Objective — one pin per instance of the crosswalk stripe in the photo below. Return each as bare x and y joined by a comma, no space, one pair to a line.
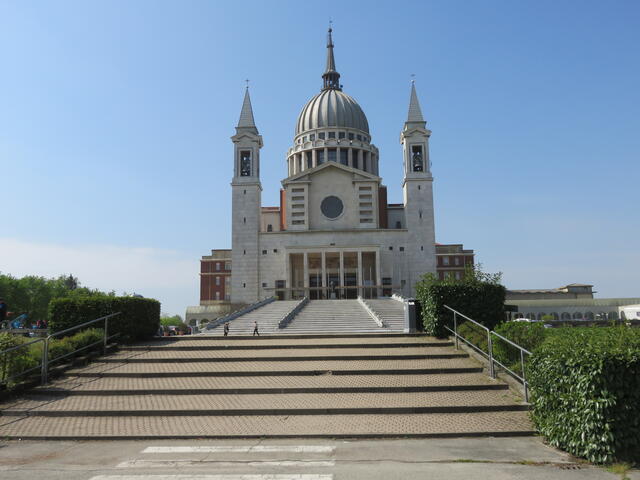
264,476
244,449
217,463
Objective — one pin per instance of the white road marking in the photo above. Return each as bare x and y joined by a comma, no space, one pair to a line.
244,449
217,463
265,476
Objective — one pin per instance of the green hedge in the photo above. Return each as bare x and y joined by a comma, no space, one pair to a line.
139,320
28,357
484,302
585,385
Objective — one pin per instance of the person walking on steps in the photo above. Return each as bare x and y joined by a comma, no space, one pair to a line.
226,329
255,328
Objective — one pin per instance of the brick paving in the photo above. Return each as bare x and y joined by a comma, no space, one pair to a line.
269,366
275,383
149,387
438,424
292,401
248,340
311,352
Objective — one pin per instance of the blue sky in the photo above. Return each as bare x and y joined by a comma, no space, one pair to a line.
115,118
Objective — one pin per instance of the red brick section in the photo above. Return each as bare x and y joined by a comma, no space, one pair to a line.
283,210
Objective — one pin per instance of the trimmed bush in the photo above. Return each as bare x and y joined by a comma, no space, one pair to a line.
482,301
585,385
139,320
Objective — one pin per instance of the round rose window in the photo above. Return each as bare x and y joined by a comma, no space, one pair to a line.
331,207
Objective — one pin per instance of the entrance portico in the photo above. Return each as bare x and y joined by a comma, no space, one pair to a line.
333,273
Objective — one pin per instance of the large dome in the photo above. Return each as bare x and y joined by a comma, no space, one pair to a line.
332,108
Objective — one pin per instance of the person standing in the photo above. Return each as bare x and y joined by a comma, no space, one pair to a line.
255,328
226,329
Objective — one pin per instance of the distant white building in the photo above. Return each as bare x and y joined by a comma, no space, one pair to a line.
333,234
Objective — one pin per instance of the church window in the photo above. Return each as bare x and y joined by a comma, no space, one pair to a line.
401,249
417,161
344,156
321,135
355,159
420,214
245,192
341,134
304,139
320,156
359,137
275,250
244,252
332,134
331,207
245,163
398,224
364,188
418,187
332,157
264,284
351,136
309,159
297,214
244,285
421,248
390,248
264,252
269,228
312,137
244,220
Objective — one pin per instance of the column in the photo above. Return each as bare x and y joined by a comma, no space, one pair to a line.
305,261
378,278
324,274
360,281
341,282
288,293
350,157
326,154
314,158
338,159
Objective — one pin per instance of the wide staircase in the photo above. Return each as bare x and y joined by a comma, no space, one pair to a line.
332,316
268,317
377,385
390,311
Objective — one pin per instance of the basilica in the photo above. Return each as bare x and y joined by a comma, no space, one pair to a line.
333,236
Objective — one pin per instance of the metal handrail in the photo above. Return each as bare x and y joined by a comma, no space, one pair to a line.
44,374
489,354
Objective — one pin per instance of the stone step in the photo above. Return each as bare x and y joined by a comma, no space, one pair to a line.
209,346
269,384
510,423
292,354
267,404
261,368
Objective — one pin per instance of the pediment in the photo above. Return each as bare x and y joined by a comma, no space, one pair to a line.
307,175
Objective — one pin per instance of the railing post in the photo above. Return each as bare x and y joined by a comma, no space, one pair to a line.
455,328
524,377
490,348
44,372
106,326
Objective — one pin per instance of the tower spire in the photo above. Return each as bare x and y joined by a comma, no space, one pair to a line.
246,114
330,77
415,112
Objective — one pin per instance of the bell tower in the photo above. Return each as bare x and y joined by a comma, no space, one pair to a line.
417,187
246,201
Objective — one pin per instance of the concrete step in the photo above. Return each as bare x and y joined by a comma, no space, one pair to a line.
267,404
288,354
511,423
390,311
268,317
270,384
253,346
333,316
